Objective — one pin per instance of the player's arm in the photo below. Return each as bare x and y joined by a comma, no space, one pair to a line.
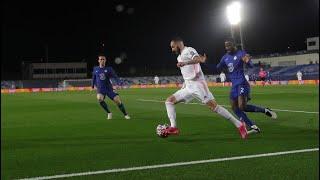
183,85
246,58
221,65
195,60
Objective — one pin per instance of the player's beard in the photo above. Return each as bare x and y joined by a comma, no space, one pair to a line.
231,50
178,51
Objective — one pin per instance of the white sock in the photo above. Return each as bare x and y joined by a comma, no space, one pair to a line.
171,111
226,114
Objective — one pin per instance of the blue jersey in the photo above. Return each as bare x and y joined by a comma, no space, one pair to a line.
234,63
101,78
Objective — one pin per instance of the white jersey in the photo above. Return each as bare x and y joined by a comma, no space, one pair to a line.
191,71
195,85
156,80
223,77
247,77
299,75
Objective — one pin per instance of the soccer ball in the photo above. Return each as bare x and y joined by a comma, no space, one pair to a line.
161,130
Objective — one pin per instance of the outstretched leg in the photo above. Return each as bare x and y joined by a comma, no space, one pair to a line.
266,111
212,104
239,110
241,114
117,100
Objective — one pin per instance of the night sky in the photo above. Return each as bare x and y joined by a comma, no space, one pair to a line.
75,30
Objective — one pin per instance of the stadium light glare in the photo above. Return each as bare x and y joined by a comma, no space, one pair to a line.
233,13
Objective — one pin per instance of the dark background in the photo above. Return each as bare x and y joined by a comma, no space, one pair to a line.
75,31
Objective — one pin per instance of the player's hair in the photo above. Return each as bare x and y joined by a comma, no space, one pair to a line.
101,54
230,39
177,39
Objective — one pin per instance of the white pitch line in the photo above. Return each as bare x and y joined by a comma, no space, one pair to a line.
284,110
172,164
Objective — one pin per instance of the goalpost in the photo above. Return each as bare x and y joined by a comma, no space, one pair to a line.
79,83
76,83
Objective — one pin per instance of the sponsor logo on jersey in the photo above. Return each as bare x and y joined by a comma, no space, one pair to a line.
230,67
102,76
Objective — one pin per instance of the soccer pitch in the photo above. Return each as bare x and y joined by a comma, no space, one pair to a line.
46,134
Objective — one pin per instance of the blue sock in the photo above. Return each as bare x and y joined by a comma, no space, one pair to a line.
104,106
244,117
253,108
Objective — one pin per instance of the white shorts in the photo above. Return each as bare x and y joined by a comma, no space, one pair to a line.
194,89
223,80
299,78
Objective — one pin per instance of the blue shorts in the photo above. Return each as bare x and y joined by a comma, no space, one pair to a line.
110,93
240,90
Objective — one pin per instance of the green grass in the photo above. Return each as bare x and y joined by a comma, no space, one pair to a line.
67,132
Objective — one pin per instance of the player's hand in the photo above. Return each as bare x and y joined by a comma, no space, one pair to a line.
183,85
203,58
181,64
246,58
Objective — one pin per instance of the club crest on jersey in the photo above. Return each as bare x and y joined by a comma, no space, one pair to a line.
105,71
235,58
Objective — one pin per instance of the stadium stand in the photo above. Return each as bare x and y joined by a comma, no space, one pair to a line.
310,72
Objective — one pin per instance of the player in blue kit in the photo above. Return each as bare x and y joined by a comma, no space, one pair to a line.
234,60
101,80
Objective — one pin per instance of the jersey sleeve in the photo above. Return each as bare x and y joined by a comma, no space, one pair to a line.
193,52
93,83
221,64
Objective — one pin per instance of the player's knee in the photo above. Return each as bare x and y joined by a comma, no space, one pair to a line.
117,100
100,98
234,108
212,105
170,100
242,107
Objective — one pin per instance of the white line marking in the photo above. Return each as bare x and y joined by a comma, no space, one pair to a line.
265,93
171,164
284,110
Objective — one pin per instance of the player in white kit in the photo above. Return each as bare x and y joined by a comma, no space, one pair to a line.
299,76
247,77
156,80
195,86
222,77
